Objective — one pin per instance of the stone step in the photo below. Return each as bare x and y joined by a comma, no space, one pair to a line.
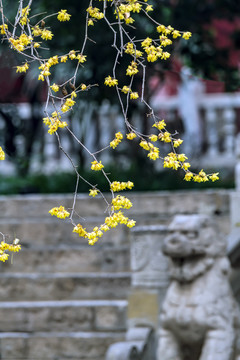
144,204
57,345
69,315
63,286
53,231
69,259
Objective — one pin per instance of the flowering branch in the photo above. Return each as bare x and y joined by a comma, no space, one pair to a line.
28,39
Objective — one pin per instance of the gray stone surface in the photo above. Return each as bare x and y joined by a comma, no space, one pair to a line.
56,345
56,265
200,316
70,315
148,264
60,286
69,259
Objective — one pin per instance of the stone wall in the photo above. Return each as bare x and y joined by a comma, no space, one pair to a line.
69,300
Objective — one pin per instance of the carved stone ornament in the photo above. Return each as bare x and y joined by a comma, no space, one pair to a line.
199,317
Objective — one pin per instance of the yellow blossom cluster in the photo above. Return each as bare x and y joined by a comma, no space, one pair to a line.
68,103
131,136
63,15
24,15
121,202
119,186
153,150
20,43
133,94
2,154
59,212
54,123
95,13
109,81
123,11
111,221
22,68
201,176
131,50
3,29
15,247
97,166
118,138
132,69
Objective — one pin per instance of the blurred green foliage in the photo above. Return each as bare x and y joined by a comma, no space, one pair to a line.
144,180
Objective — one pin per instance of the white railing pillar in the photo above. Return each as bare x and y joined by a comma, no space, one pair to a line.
229,130
212,131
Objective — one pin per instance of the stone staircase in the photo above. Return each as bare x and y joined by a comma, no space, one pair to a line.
61,299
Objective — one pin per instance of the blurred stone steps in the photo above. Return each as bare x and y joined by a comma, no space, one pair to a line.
61,299
69,259
63,286
56,345
69,315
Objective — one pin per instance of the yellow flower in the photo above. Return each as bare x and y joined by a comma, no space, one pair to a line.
96,165
119,186
69,102
90,22
46,34
121,202
37,31
114,143
72,54
182,157
177,142
3,28
125,89
81,58
166,137
132,69
186,35
214,177
175,34
63,15
73,94
64,58
2,154
161,28
109,81
165,55
83,87
188,176
41,77
131,223
59,212
149,8
186,165
153,138
144,145
54,87
93,192
160,125
131,136
80,230
22,68
4,257
134,95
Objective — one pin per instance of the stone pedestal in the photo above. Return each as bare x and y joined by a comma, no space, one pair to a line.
149,276
233,242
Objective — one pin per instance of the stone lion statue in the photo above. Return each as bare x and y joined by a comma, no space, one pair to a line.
199,317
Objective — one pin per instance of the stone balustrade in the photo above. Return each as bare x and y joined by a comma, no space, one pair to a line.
211,142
